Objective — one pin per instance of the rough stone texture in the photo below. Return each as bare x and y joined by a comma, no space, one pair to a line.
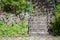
10,19
43,6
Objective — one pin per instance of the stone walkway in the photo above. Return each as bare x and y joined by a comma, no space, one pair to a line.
31,38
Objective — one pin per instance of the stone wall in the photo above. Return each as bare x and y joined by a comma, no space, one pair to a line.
10,19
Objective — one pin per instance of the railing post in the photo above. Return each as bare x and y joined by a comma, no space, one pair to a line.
29,15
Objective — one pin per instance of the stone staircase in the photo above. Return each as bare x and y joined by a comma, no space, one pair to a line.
42,6
38,24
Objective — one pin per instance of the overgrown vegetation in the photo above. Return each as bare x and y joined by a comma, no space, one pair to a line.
56,23
16,6
20,29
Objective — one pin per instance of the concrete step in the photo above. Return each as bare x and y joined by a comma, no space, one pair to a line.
38,27
38,30
38,33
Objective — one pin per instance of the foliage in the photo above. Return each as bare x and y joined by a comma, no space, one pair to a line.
20,29
16,6
56,23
